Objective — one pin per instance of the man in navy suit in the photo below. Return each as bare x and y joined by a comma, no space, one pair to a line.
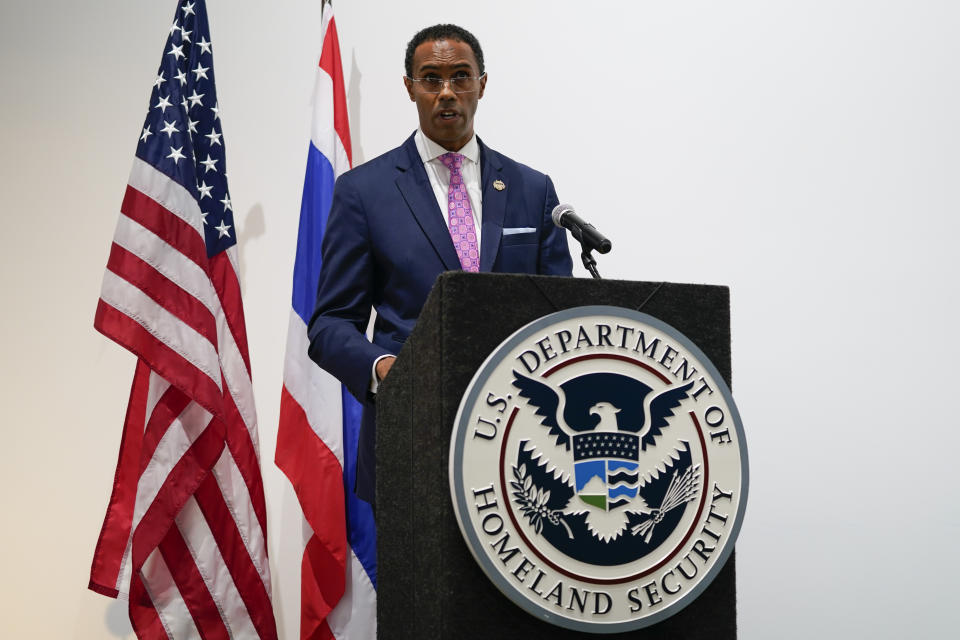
441,201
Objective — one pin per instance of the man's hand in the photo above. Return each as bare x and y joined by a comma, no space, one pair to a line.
383,367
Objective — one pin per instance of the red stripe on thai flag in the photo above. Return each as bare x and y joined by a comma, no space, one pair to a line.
314,472
330,63
317,562
317,479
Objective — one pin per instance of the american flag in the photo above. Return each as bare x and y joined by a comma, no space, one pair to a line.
319,419
185,534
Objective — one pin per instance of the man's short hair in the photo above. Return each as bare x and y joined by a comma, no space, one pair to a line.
442,32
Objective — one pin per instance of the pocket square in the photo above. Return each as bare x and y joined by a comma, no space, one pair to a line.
509,231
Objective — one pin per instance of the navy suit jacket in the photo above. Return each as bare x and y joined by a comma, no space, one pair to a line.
386,242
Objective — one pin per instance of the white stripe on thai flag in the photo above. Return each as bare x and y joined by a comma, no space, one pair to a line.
319,420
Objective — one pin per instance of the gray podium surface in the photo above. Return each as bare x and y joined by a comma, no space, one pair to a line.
429,586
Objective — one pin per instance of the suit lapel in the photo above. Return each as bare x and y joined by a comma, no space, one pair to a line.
494,205
415,187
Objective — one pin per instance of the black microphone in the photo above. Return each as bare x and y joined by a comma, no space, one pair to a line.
565,217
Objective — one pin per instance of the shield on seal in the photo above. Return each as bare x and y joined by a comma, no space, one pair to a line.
605,468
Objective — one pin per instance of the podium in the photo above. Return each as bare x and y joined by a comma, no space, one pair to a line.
429,585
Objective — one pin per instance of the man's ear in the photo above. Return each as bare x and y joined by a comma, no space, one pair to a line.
408,83
483,85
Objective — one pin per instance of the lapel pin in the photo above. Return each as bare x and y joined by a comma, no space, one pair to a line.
499,185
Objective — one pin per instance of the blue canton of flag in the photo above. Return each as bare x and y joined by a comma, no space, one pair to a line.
182,136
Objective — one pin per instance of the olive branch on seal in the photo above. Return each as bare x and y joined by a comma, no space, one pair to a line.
533,501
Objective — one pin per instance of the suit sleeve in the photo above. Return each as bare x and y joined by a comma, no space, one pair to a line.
554,258
345,295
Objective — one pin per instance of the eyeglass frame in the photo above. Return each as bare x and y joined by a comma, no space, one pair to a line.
447,81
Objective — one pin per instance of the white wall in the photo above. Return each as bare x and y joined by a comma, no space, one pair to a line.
804,153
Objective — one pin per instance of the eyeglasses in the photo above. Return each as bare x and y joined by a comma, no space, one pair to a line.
458,84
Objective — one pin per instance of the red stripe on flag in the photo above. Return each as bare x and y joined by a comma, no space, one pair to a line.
115,532
236,557
165,224
177,487
330,62
176,369
245,455
194,592
168,408
144,619
317,479
163,291
315,605
227,285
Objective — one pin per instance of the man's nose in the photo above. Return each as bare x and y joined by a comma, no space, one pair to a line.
446,91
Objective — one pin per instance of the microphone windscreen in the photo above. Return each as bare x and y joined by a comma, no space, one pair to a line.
559,211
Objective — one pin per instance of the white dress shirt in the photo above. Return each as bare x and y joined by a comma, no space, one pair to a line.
439,175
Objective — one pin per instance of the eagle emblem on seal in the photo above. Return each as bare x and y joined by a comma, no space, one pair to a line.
615,484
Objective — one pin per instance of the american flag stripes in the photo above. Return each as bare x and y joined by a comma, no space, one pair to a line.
320,420
185,534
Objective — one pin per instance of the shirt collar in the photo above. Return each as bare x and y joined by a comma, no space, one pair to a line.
430,150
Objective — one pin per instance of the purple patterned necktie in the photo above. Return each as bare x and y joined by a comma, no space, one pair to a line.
460,213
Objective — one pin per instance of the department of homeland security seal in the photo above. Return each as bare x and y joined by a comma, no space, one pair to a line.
598,469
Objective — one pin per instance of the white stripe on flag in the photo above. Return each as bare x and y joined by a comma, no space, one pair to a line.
354,616
171,195
163,325
167,260
190,277
212,567
166,598
315,390
183,431
157,387
237,497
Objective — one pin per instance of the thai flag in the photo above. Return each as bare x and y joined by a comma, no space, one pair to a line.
319,419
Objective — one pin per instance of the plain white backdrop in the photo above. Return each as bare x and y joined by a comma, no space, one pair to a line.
806,154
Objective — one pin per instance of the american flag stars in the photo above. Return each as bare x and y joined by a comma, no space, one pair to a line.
162,103
170,128
179,137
